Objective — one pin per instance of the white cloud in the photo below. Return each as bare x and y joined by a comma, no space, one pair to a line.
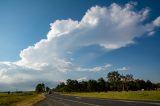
93,69
61,27
110,28
107,65
14,77
156,22
122,69
82,79
151,33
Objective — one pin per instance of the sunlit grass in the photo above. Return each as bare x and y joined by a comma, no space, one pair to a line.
19,99
131,95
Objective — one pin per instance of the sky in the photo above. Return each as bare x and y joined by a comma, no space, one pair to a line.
53,40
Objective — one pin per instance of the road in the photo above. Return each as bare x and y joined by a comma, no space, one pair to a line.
61,100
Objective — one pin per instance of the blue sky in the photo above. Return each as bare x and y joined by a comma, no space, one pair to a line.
85,42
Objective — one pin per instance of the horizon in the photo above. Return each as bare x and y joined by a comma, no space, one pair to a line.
52,41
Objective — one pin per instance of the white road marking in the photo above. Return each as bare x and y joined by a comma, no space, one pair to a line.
78,97
128,101
77,101
141,102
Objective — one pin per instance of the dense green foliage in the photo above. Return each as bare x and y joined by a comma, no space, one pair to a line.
114,82
40,88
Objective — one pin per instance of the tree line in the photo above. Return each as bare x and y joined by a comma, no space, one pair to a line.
114,82
42,88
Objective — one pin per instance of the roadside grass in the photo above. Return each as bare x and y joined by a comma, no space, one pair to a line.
131,95
20,99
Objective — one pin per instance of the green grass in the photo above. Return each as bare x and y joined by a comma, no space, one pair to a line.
19,99
131,95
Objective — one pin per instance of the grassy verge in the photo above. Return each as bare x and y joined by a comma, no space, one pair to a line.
131,95
20,99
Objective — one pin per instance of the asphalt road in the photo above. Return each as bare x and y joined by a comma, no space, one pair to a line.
61,100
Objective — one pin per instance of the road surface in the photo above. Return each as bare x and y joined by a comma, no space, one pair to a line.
61,100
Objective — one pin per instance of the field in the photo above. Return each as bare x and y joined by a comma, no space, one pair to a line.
131,95
19,99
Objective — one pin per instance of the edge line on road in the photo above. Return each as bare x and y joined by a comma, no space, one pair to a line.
130,101
76,101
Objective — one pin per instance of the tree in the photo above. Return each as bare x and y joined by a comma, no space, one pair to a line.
129,77
62,85
114,77
92,85
72,85
125,80
140,84
83,86
40,88
101,83
116,82
47,89
8,92
149,85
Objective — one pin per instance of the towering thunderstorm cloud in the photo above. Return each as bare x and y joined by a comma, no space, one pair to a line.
109,28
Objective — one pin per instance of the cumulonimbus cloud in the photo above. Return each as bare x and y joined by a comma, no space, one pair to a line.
110,28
